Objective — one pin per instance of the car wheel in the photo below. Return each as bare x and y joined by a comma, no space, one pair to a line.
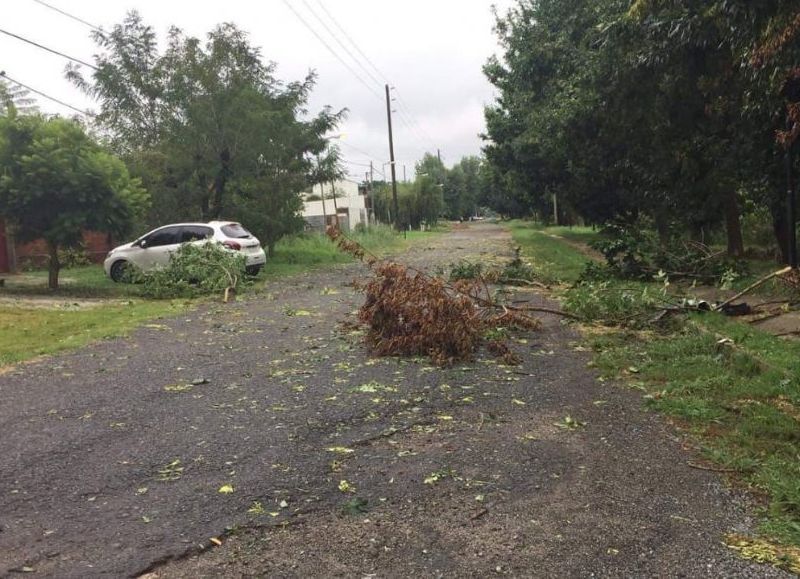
252,270
119,271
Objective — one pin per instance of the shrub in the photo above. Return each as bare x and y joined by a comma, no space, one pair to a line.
192,271
612,305
517,271
465,270
74,256
634,253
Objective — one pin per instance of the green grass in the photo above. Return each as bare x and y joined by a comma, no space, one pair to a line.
584,235
88,281
27,333
303,252
553,257
741,402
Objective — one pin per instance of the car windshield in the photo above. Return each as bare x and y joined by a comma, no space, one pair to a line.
236,231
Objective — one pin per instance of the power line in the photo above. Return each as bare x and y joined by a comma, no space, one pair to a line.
68,15
405,115
357,163
352,42
340,43
363,152
45,95
330,49
401,101
37,45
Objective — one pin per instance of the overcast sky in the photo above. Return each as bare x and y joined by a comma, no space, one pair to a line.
432,51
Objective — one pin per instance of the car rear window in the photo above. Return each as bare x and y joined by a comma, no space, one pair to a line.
236,231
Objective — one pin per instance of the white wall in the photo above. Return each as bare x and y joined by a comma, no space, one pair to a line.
346,197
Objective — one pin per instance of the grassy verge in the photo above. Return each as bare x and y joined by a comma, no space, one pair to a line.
27,333
549,252
736,389
304,252
741,399
52,326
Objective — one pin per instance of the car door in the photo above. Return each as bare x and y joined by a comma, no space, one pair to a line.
158,246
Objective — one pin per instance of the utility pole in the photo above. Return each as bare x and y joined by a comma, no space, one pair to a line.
404,174
391,160
439,155
791,206
555,209
371,210
366,194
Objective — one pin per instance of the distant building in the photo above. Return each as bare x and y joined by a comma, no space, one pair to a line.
351,206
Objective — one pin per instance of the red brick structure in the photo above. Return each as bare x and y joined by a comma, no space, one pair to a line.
16,255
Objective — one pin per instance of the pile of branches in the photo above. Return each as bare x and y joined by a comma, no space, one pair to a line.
516,272
193,270
410,313
632,253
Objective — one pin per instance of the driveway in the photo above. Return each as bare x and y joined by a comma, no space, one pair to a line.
265,427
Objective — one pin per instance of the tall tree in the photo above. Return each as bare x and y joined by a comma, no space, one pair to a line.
57,182
206,122
658,109
16,97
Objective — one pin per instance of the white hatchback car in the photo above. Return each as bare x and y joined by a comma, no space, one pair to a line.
153,250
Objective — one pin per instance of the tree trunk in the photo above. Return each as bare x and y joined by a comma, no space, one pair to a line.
733,225
662,227
271,249
335,206
779,222
324,211
54,266
219,184
696,232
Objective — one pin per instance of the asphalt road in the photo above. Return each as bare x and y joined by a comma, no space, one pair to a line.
112,458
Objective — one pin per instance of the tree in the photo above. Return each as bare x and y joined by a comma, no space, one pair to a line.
57,182
462,187
16,97
658,110
327,169
207,125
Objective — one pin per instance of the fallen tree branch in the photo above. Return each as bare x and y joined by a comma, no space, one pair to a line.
512,280
753,286
546,311
711,468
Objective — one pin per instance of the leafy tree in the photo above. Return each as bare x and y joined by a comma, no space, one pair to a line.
327,169
419,202
657,109
14,96
207,125
462,188
56,182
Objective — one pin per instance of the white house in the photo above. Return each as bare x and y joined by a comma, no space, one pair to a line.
350,206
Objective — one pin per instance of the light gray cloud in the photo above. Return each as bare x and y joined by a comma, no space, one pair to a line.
431,51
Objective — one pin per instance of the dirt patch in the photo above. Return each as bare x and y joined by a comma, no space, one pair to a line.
46,303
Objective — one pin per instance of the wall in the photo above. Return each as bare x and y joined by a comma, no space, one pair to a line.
34,254
351,205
